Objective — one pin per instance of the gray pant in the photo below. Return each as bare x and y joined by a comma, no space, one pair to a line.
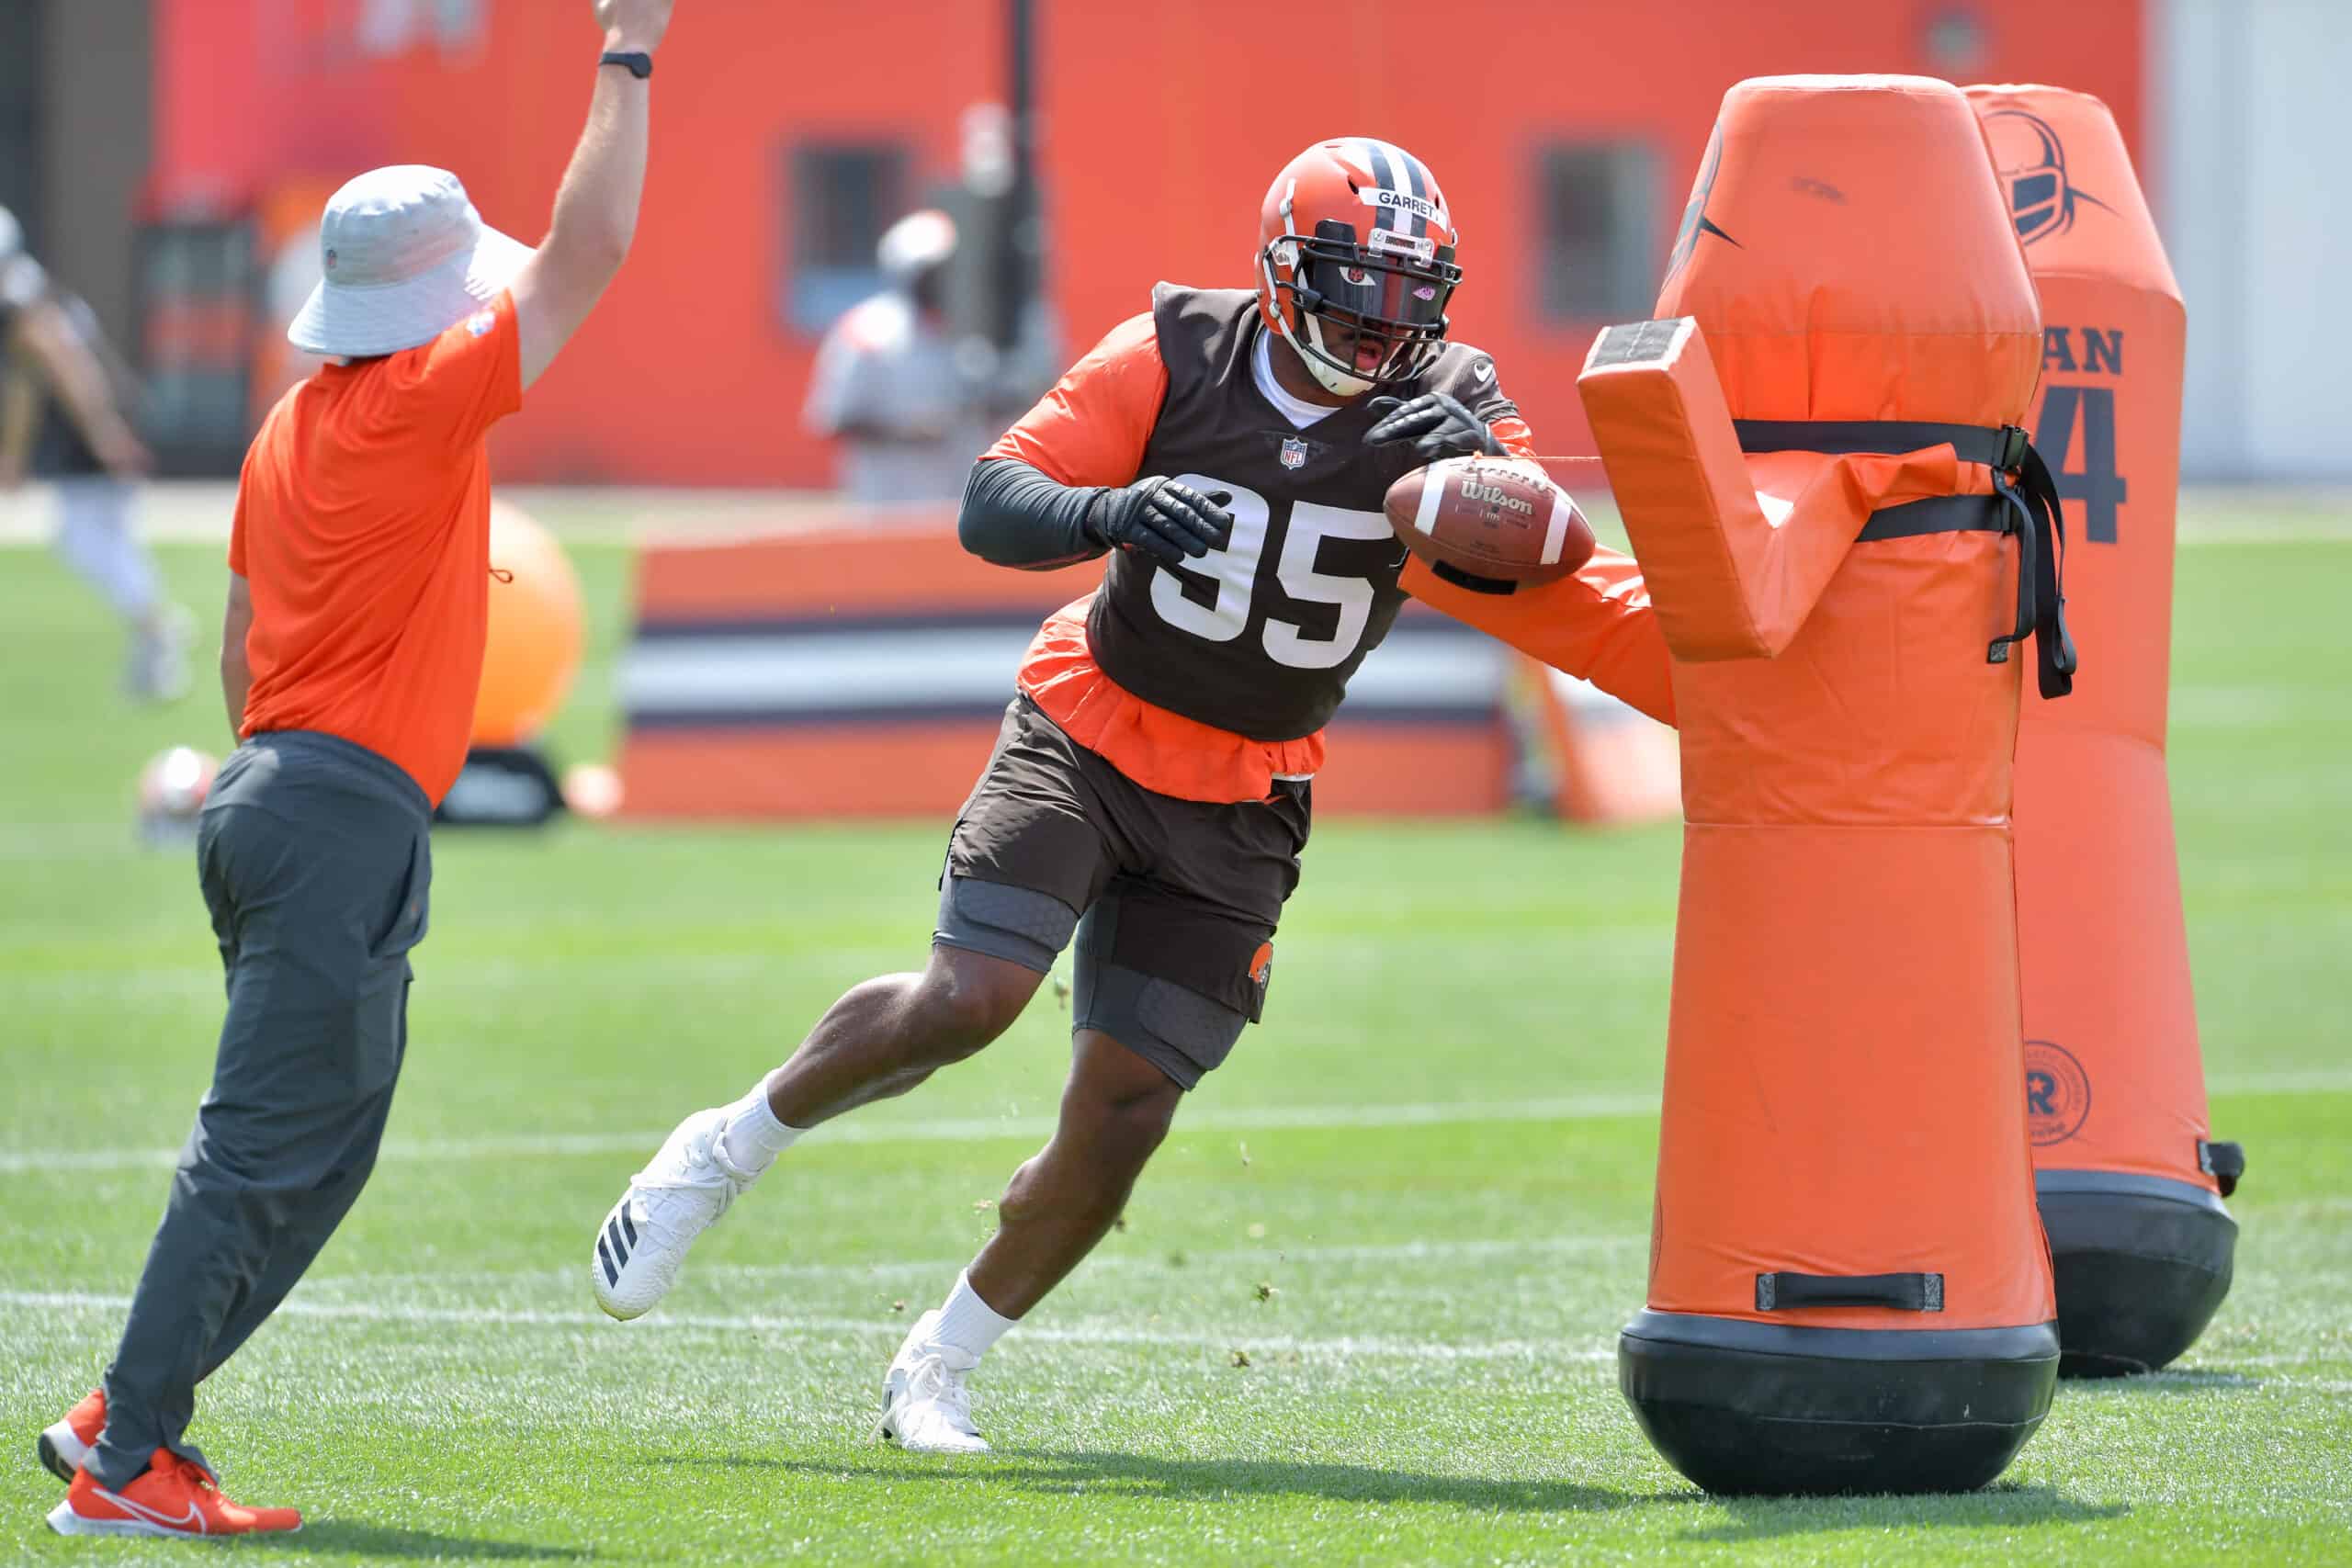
316,867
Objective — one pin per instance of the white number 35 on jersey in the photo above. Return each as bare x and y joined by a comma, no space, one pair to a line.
1234,570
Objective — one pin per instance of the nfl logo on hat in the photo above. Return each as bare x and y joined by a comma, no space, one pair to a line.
1293,454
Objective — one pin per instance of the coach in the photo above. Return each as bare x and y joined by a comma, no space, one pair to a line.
350,657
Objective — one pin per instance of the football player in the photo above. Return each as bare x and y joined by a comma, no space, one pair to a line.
53,352
1150,788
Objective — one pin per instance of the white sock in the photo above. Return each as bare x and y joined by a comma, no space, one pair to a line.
967,1324
752,1136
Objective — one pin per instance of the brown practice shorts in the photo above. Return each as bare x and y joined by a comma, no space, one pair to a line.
1174,902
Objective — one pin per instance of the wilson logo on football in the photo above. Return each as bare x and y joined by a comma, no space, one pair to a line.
1495,495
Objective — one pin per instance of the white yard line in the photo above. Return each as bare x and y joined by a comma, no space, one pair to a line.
1265,1119
19,1162
1160,1261
1343,1348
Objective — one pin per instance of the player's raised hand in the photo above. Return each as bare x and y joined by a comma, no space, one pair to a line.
1436,426
633,25
1166,521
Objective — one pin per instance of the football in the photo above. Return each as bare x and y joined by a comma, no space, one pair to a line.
1499,518
172,790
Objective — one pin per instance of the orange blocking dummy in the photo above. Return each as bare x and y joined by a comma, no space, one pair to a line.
1850,554
2130,1182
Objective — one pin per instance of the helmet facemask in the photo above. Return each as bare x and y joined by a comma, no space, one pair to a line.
1390,294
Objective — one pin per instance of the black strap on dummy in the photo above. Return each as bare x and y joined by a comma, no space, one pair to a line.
2032,496
2024,502
1783,1292
1843,438
2223,1162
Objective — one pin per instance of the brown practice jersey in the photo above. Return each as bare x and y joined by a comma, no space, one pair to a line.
1258,638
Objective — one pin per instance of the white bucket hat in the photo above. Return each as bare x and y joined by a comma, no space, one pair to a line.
405,257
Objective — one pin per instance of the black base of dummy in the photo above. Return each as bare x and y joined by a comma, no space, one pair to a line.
2141,1263
1760,1408
503,786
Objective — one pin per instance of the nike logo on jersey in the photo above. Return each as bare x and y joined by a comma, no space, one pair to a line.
1483,372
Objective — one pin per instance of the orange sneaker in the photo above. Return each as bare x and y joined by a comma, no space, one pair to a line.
64,1446
175,1497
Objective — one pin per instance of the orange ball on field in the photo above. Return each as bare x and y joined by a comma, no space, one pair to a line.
535,630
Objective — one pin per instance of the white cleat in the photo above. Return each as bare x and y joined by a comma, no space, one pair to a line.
156,670
684,1188
924,1403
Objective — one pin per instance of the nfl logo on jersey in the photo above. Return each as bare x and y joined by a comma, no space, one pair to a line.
1293,454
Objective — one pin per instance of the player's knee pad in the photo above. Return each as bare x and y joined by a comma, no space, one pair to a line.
1020,925
1173,1027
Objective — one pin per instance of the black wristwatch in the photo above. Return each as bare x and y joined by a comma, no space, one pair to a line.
641,64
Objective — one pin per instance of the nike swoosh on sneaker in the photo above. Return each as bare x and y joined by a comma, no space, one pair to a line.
154,1516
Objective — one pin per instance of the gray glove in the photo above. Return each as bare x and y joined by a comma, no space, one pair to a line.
1169,521
1436,426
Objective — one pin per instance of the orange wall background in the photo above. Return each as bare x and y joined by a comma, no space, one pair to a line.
1161,125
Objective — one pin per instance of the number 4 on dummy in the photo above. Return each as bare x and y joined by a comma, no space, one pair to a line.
2098,486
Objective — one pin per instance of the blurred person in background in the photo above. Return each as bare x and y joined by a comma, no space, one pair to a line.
65,413
894,383
351,655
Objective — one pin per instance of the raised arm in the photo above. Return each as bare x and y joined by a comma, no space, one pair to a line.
77,377
596,209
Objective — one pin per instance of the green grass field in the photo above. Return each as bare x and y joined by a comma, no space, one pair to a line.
1437,1153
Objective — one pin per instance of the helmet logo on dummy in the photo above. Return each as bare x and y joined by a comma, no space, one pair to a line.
2057,1093
2033,164
1695,221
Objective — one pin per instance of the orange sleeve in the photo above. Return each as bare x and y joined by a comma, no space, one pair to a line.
470,377
1091,429
244,476
1511,431
1597,624
237,535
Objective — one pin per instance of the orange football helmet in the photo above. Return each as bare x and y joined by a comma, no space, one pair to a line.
1355,263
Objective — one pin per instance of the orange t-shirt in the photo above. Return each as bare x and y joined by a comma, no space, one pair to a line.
363,533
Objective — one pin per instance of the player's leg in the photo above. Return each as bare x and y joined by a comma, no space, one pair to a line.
97,537
1115,1109
1025,856
889,1034
1170,969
